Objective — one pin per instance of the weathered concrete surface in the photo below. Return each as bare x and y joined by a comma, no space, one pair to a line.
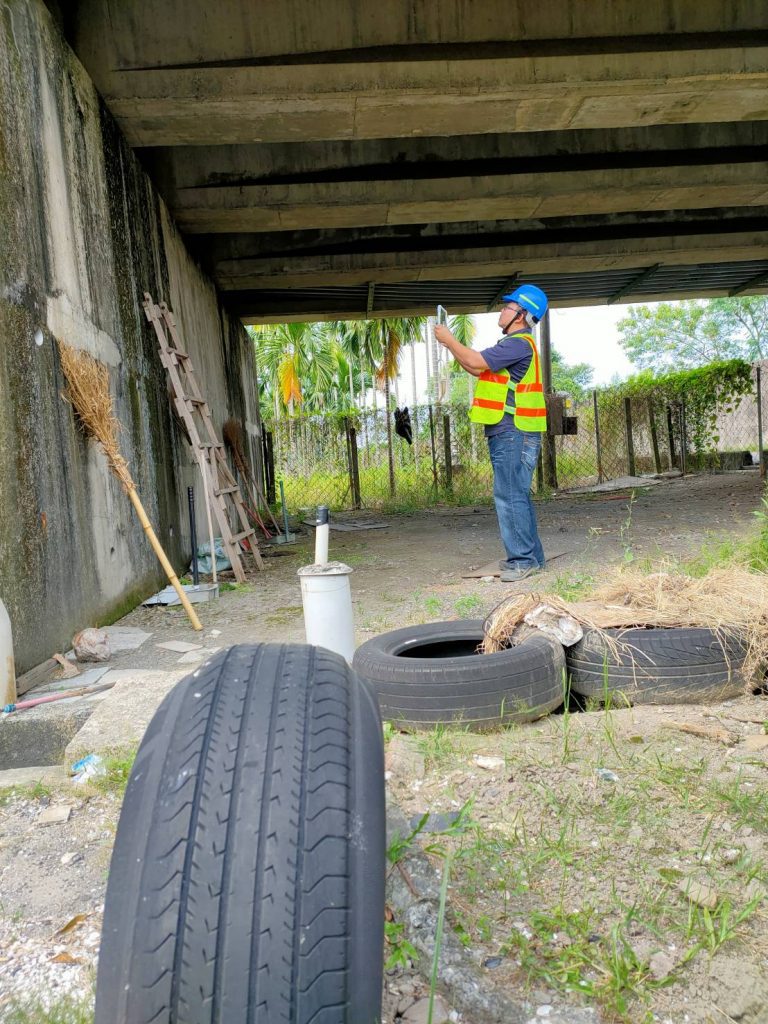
447,146
50,774
121,718
84,236
39,736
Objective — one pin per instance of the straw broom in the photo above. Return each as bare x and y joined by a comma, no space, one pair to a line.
88,393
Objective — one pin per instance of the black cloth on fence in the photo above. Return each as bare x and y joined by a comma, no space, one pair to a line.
403,424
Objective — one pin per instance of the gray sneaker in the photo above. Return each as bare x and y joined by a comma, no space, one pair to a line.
515,575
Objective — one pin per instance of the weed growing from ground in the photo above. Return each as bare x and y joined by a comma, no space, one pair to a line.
73,1010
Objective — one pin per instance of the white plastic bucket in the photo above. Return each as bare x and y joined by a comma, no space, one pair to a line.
327,599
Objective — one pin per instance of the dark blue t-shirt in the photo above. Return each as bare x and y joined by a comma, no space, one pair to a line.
513,353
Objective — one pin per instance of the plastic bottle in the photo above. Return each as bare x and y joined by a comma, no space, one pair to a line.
7,663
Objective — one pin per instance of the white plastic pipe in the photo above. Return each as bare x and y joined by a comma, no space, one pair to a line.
7,662
327,599
321,536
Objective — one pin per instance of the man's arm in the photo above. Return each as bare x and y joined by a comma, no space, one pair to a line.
467,358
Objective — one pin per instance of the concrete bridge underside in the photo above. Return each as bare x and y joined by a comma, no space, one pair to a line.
346,158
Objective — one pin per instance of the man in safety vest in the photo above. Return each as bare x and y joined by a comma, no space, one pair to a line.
509,401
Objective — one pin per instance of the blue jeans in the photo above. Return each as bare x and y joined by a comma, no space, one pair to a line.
514,454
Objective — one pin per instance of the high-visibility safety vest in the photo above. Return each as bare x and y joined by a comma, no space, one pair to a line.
492,394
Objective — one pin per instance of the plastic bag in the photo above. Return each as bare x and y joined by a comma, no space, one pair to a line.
90,767
204,557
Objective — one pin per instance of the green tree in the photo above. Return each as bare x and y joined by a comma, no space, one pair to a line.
574,379
679,335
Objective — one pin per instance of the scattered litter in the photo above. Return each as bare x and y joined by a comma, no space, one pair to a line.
731,856
493,961
487,579
555,623
90,767
724,736
179,646
55,815
204,561
72,923
490,763
67,668
91,645
195,595
435,822
214,632
606,775
71,858
65,958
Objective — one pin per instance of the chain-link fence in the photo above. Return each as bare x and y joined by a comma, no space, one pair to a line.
361,462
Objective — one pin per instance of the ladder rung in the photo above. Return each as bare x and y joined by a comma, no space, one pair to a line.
193,401
178,354
241,536
210,444
225,490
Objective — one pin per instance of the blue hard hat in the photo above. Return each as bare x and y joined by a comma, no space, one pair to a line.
531,298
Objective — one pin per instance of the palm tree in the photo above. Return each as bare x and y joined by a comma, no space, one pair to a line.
394,334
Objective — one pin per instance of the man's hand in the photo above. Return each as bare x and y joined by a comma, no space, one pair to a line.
443,335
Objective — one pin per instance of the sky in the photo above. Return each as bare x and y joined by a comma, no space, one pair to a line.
586,334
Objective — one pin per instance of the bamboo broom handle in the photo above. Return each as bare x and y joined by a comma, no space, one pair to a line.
136,502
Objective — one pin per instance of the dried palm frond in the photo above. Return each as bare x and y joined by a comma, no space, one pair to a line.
731,600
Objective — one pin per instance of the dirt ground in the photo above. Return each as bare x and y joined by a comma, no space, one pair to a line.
557,866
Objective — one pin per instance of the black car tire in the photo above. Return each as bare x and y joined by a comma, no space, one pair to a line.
431,674
247,879
657,666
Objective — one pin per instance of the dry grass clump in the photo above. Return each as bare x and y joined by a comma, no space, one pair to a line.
731,600
88,393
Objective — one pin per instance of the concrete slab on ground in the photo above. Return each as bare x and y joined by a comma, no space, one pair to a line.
121,719
48,774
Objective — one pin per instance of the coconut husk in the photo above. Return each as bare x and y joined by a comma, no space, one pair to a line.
731,600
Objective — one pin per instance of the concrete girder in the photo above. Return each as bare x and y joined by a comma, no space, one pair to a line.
179,167
446,264
134,34
401,99
498,197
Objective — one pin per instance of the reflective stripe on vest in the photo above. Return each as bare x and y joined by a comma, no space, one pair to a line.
492,395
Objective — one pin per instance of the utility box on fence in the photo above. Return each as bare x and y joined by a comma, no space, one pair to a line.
558,422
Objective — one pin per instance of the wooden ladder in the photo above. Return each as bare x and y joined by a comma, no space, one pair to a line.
221,487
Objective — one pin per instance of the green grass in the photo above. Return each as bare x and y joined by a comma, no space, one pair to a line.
468,606
34,791
118,768
67,1010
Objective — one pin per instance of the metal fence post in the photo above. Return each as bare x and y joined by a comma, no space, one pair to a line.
447,451
683,441
629,438
671,435
598,448
550,452
759,396
654,436
352,463
434,452
269,466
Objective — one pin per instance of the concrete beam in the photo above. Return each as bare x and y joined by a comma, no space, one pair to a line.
388,99
501,260
419,201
